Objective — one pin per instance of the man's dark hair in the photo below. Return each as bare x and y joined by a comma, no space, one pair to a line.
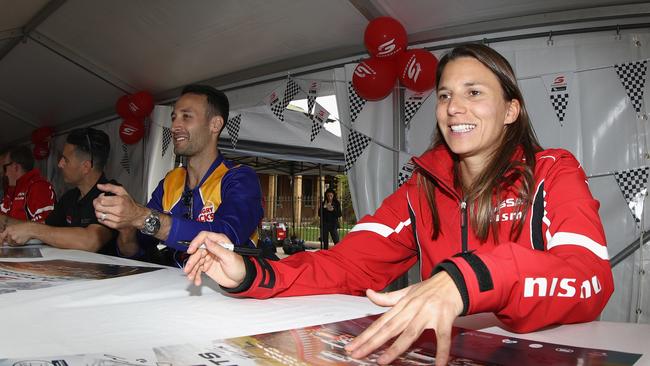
22,155
92,142
217,100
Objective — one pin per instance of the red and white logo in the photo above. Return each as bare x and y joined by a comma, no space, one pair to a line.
362,70
207,213
129,130
413,69
387,48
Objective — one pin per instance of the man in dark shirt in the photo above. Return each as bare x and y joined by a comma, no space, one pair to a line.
73,223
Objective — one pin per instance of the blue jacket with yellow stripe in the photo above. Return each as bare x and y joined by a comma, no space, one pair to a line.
227,200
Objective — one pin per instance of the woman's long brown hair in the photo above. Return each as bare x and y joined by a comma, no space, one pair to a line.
502,171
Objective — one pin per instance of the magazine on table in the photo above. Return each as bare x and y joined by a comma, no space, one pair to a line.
323,345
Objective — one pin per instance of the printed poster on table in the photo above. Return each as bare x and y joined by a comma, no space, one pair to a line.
16,276
323,345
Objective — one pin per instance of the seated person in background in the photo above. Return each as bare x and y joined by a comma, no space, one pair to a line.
29,196
72,224
209,193
494,220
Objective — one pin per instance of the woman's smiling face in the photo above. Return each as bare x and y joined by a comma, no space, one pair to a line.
471,110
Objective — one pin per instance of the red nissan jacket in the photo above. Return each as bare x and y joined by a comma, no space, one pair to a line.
556,272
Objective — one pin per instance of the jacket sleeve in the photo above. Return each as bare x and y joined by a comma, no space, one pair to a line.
375,252
238,215
40,201
569,280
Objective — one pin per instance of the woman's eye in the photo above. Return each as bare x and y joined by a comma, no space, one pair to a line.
474,93
443,96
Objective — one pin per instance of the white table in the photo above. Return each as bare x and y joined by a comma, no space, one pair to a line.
162,308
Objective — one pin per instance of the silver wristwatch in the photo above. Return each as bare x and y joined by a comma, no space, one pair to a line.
151,223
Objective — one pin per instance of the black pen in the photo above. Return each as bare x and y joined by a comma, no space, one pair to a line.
252,252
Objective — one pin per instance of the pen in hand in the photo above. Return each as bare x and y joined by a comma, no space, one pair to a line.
253,252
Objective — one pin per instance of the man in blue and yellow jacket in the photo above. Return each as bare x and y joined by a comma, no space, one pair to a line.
208,193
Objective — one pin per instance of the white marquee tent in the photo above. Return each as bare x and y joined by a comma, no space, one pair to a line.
65,63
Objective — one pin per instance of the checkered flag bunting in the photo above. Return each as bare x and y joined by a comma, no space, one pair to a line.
357,143
275,103
632,76
125,163
233,129
559,102
405,173
634,186
289,93
356,102
316,127
311,99
412,103
166,139
319,118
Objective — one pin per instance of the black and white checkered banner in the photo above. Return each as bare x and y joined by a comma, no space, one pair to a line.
233,129
412,102
559,103
634,186
355,101
357,143
124,162
166,139
406,172
632,76
312,93
318,119
557,87
290,92
274,101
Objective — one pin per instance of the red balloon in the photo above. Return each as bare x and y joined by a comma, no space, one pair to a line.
374,78
41,151
385,37
122,107
417,69
131,130
42,135
141,104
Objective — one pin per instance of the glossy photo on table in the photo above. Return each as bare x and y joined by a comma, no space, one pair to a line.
324,345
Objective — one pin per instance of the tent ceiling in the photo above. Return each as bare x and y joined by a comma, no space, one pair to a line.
65,62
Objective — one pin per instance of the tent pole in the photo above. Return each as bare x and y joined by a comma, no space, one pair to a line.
321,199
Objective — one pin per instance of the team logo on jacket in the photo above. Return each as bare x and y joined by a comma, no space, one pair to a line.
561,287
207,213
508,210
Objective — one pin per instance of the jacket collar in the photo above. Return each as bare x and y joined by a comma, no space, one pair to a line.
26,178
439,164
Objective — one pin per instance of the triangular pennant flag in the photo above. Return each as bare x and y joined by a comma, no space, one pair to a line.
290,92
126,164
166,139
412,103
634,186
274,102
632,76
318,119
405,173
357,143
233,129
311,95
559,103
558,89
356,102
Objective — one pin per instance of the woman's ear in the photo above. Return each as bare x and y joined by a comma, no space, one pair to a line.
513,112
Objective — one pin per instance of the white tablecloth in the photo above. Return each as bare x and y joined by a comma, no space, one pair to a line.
162,308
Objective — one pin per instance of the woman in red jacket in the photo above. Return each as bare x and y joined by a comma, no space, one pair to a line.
498,224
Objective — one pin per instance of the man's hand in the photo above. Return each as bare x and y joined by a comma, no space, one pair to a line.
223,266
118,210
431,304
19,234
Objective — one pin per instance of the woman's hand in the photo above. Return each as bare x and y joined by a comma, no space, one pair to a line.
431,304
223,266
